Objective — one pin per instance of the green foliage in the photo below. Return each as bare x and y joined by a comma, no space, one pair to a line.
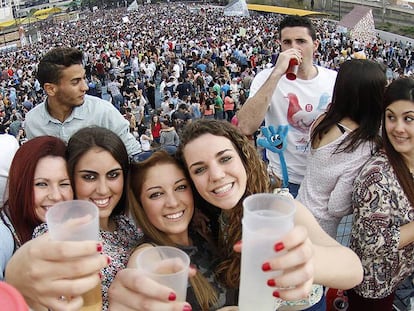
408,31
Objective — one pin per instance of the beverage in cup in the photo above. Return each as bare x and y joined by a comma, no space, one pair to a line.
267,217
77,220
166,265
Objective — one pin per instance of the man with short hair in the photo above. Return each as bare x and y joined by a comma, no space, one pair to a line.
67,108
296,103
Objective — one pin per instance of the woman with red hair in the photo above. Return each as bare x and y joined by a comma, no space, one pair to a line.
38,179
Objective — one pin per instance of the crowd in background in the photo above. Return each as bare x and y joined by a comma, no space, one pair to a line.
153,60
164,66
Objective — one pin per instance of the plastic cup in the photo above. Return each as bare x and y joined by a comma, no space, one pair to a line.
166,265
267,217
74,220
292,70
77,220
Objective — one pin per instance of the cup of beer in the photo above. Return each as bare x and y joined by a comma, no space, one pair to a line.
77,220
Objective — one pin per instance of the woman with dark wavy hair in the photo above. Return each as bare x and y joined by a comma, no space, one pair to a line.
225,168
383,204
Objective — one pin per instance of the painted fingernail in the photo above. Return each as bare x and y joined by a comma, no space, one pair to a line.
271,282
187,308
266,266
108,259
99,248
172,297
276,294
279,246
193,266
100,275
238,243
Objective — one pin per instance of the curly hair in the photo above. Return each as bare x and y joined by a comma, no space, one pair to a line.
228,271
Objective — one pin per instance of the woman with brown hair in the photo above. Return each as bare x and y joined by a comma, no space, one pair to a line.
161,200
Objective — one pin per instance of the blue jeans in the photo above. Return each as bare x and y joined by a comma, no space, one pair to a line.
320,306
293,189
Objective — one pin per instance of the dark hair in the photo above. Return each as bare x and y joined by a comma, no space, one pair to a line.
55,61
400,89
86,139
228,271
298,21
20,204
358,95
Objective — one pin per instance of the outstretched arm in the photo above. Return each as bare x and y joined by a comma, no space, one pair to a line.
44,270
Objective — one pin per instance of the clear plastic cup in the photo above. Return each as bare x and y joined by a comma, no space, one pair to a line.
77,220
166,265
267,217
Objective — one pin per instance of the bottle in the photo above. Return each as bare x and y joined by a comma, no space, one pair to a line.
292,70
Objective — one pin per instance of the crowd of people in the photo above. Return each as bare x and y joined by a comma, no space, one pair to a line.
150,115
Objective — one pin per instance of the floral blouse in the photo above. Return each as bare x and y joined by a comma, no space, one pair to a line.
118,245
380,209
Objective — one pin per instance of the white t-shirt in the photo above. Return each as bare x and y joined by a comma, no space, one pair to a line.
297,104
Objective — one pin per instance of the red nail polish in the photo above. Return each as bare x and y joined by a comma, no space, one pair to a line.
238,243
276,294
108,259
266,267
279,246
99,248
100,275
193,266
172,297
271,282
187,308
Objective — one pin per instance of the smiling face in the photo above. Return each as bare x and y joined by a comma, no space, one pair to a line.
216,169
51,184
167,200
99,178
399,125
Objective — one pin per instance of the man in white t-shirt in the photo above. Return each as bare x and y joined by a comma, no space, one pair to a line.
279,101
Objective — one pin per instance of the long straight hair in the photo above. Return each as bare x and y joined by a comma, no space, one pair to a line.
357,95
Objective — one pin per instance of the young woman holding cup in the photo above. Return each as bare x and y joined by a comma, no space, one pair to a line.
98,167
161,200
38,179
225,169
